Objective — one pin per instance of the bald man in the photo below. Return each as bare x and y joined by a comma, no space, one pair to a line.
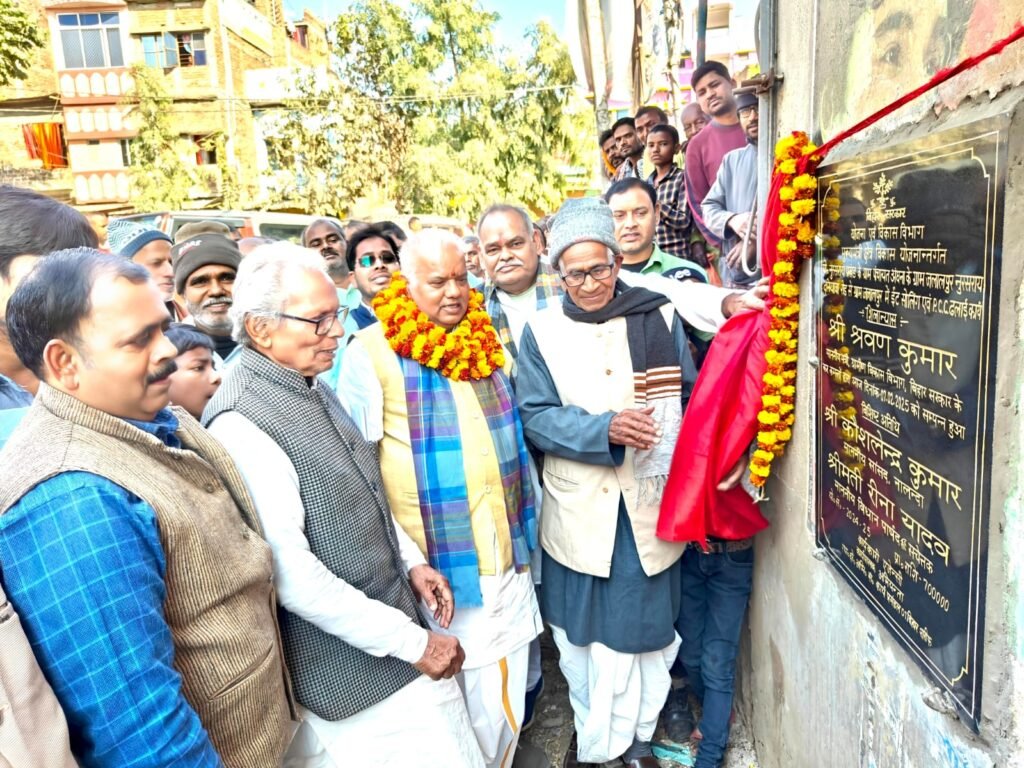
475,491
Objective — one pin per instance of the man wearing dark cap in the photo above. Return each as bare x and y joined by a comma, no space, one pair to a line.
206,227
151,249
729,206
204,275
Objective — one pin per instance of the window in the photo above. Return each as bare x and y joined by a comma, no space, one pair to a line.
160,50
90,40
126,152
191,49
185,49
301,35
206,149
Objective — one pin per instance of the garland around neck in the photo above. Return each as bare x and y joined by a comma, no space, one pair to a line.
470,350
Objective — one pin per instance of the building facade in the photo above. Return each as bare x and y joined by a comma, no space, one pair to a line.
77,112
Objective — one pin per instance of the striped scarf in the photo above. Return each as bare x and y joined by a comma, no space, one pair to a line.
441,478
549,286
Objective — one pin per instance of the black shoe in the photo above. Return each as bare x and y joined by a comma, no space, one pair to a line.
677,716
530,708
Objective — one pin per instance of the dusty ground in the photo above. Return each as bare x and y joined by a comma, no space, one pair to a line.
552,727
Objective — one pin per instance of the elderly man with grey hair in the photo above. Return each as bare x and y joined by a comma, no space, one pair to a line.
604,376
434,395
375,684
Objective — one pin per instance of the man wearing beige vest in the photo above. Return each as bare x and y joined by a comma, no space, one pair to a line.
427,383
129,544
604,376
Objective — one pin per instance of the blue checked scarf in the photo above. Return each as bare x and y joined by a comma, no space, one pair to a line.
549,286
441,478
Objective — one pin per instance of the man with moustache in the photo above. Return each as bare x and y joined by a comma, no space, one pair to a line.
327,237
729,205
130,547
646,118
704,152
610,152
204,275
348,578
630,149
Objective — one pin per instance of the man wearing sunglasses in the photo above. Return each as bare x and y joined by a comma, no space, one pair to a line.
372,256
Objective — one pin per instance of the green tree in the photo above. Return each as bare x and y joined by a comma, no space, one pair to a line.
482,126
19,37
333,146
161,179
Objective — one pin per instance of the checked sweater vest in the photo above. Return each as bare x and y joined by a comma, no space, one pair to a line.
220,596
348,525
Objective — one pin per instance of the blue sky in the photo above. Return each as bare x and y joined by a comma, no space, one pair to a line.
516,15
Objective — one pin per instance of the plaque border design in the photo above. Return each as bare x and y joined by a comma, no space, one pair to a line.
992,131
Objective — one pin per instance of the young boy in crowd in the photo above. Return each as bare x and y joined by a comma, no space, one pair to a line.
673,229
196,379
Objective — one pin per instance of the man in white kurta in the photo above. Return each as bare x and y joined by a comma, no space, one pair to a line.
347,577
496,634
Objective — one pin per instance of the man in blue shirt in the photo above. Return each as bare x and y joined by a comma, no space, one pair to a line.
129,546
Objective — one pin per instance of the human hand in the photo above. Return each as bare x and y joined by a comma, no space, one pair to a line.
752,299
442,658
739,224
732,479
634,428
433,589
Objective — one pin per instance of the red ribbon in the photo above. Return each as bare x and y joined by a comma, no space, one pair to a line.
721,417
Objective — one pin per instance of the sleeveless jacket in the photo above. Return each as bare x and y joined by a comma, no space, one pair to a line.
348,525
220,598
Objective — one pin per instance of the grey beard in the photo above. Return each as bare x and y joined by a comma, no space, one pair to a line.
337,270
220,326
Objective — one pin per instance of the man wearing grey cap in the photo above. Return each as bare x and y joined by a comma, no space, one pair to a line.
611,587
204,275
149,248
729,208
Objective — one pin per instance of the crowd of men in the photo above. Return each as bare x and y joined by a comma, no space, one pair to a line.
266,504
705,209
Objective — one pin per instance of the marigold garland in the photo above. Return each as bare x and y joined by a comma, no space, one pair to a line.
470,350
796,235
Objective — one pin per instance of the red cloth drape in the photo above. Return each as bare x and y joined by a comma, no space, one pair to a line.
43,141
721,417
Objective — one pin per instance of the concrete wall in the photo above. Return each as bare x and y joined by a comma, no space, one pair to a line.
822,682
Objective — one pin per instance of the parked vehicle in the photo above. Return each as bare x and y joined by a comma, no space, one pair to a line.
280,226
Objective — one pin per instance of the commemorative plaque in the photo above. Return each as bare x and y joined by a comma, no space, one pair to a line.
906,298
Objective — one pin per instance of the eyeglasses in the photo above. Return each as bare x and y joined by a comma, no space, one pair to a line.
323,324
578,277
368,260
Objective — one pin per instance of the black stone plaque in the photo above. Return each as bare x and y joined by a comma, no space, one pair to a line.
906,297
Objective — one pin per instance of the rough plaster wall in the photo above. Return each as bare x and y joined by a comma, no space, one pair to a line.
823,683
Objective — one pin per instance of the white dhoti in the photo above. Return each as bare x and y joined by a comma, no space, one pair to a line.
423,725
496,638
615,696
495,697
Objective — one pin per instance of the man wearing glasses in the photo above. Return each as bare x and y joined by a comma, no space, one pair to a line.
372,256
360,655
611,587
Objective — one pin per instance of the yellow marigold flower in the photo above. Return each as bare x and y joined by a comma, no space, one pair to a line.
768,418
772,380
787,167
763,455
806,232
784,435
809,147
768,438
787,193
802,207
787,219
805,181
770,400
833,215
787,391
786,290
782,267
786,246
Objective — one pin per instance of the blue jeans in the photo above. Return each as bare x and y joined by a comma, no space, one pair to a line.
716,589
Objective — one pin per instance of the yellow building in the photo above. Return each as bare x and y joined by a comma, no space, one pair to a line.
70,112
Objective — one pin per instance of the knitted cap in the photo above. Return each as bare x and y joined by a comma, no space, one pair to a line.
200,251
581,220
193,228
126,238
